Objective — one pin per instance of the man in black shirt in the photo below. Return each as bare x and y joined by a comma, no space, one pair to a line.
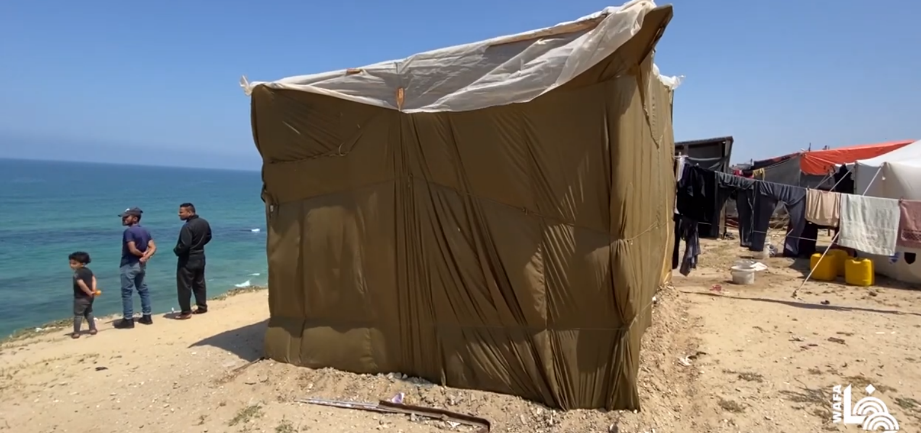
190,269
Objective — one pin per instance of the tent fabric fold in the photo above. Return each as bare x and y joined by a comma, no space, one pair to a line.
511,248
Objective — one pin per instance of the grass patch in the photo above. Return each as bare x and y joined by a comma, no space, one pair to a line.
909,404
747,376
285,426
238,291
731,406
807,395
47,328
860,382
751,377
246,415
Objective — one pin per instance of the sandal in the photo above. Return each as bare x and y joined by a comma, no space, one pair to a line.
93,332
75,335
199,311
184,317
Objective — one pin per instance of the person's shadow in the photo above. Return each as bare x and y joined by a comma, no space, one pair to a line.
245,342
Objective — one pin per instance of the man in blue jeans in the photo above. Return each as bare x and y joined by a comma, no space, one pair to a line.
137,248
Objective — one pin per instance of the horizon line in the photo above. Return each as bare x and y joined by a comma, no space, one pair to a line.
4,158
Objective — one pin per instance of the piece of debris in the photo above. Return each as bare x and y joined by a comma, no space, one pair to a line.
414,412
825,302
696,355
836,340
685,361
101,368
798,339
716,288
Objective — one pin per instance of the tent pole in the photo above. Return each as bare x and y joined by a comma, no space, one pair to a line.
805,280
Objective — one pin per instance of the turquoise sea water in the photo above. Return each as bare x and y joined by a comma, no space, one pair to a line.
50,209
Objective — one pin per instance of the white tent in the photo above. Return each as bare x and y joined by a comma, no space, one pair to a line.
895,175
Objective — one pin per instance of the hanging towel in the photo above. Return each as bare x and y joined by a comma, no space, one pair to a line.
909,224
822,207
869,224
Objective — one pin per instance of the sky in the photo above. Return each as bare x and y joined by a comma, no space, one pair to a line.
157,82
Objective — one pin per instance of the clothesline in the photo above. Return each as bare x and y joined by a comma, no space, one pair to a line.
872,225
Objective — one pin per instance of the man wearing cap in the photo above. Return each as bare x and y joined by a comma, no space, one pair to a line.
137,248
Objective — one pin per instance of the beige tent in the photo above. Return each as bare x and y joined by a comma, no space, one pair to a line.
490,216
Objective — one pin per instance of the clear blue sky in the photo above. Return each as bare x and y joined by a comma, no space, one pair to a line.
156,82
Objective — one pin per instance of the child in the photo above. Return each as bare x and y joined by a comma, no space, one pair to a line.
84,292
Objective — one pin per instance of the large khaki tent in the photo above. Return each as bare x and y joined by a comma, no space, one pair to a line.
491,216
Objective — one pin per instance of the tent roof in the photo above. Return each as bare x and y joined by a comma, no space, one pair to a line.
499,71
763,163
823,161
909,154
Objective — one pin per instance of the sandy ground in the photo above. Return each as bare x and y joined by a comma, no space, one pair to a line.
745,359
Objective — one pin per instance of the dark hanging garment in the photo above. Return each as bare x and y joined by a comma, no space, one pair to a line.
697,193
794,199
685,228
807,245
741,190
844,181
698,199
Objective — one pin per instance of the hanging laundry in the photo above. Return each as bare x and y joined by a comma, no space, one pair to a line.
869,224
909,224
742,191
822,207
680,163
697,194
696,202
698,199
685,228
767,196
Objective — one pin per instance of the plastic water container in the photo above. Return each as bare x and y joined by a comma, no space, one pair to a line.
742,275
839,257
858,272
823,268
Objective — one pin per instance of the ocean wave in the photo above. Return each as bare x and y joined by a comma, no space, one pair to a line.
255,230
22,180
246,283
255,274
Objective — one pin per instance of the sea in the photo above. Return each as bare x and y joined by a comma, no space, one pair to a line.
51,209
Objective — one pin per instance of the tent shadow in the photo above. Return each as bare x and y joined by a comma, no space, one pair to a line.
806,305
245,342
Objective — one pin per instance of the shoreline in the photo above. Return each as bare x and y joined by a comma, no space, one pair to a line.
56,325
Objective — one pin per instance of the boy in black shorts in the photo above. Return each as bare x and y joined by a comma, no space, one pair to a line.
84,292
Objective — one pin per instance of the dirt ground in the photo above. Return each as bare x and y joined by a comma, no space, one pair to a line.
742,359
